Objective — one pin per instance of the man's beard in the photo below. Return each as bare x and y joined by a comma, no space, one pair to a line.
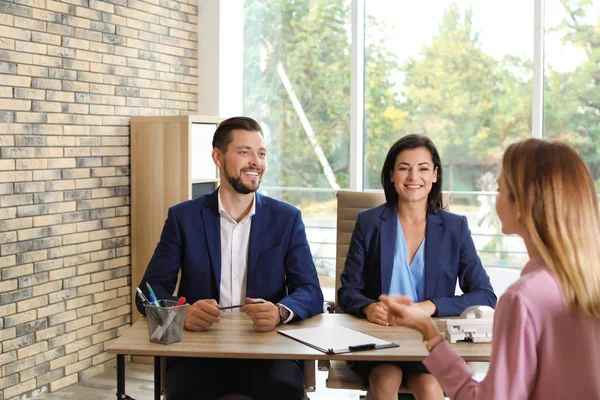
237,184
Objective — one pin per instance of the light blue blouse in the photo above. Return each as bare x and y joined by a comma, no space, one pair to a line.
408,279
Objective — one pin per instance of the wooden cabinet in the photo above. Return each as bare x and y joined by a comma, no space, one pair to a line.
170,163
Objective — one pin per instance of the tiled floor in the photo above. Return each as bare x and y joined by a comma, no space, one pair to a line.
140,385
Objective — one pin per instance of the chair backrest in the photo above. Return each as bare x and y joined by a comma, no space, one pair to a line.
349,203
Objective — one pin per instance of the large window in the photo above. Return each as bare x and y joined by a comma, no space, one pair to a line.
459,76
297,83
455,74
463,72
572,77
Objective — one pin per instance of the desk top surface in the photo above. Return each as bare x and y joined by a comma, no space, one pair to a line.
234,337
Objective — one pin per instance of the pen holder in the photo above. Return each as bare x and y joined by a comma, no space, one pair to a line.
165,324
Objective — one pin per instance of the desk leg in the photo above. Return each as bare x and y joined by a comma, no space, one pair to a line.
310,377
121,378
157,381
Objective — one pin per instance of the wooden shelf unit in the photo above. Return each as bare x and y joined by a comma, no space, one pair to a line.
161,176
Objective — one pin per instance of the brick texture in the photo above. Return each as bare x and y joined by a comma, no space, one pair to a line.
72,73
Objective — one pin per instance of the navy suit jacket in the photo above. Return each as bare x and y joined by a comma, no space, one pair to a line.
280,265
449,253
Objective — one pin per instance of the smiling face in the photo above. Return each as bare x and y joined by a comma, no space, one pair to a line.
244,162
413,175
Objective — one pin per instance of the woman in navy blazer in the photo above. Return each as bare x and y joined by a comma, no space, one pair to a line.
410,246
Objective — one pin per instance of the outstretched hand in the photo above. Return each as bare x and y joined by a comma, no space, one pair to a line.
402,312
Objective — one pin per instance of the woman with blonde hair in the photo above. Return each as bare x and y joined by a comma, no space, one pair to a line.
546,340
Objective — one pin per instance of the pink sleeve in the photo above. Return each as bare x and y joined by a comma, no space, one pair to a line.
512,370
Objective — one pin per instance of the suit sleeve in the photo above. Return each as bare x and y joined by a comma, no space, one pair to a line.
513,363
305,297
164,265
353,278
472,278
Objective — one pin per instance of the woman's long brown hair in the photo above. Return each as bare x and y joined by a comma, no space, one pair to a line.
555,196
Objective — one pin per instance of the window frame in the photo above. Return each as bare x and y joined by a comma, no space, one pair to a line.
220,59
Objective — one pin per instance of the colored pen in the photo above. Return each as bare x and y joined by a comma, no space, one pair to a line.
239,305
180,302
141,296
152,295
146,302
160,331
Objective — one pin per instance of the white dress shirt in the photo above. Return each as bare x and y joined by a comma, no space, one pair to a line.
235,240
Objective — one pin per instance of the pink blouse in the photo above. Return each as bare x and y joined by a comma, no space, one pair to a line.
540,349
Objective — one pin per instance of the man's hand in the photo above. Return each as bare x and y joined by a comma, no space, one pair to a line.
265,316
201,315
377,313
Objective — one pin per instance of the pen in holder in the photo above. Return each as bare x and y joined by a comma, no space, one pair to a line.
165,324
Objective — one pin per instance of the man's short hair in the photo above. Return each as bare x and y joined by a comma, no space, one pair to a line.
222,136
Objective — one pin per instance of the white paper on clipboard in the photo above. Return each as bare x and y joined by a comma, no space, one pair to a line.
336,339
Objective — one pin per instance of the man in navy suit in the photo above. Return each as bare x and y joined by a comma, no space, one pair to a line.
235,246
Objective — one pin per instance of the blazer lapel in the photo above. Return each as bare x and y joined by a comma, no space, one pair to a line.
387,238
212,232
433,240
257,233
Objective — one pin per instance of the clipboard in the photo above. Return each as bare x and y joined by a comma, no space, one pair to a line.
336,339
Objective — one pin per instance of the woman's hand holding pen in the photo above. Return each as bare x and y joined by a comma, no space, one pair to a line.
201,315
265,315
377,313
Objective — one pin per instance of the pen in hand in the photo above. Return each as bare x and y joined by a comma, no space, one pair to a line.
239,305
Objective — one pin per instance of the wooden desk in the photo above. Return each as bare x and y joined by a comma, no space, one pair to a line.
234,337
